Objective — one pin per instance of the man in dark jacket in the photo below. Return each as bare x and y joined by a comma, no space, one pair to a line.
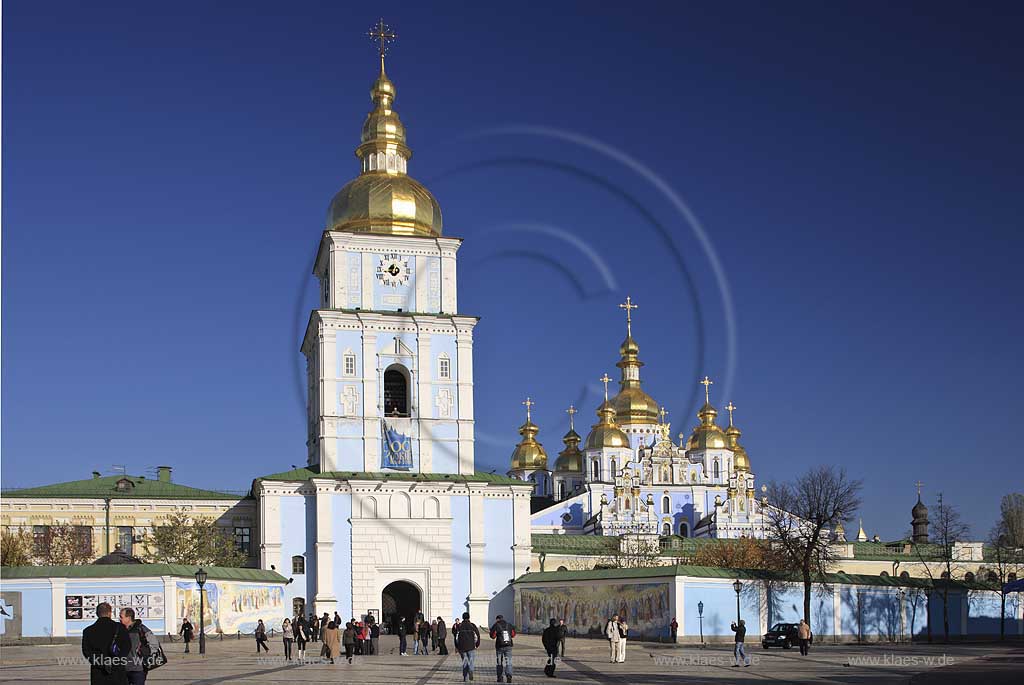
140,635
502,633
740,652
442,635
551,638
467,639
563,632
107,647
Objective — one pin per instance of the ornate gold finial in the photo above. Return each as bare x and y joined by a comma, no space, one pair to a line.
629,307
707,383
571,411
919,484
731,407
663,413
529,403
604,379
681,438
383,34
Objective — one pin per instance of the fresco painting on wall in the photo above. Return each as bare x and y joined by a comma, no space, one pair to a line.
230,607
586,610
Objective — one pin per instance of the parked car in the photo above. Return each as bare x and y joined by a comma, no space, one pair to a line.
783,635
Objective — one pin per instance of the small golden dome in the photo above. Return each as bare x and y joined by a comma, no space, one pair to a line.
570,459
707,435
529,454
741,462
632,405
605,433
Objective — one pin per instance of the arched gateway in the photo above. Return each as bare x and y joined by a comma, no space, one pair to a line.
399,599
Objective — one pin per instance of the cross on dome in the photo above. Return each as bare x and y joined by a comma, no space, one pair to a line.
629,307
919,484
731,407
571,411
707,383
663,413
529,403
382,34
606,380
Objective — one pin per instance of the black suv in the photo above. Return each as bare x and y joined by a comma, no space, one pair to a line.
783,635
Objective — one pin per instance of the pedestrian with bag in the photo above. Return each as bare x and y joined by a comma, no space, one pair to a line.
740,652
502,633
314,627
623,636
467,639
424,636
146,653
332,641
107,647
300,631
611,631
551,638
287,635
186,632
348,639
803,633
442,635
261,637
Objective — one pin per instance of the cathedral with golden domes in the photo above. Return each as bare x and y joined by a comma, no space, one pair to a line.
628,477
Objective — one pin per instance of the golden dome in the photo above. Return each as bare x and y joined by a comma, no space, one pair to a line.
570,459
605,433
383,198
707,435
632,404
741,462
529,454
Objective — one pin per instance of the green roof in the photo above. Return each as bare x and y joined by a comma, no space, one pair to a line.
733,574
553,543
306,473
106,486
139,570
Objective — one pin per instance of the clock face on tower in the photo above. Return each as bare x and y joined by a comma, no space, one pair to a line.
393,270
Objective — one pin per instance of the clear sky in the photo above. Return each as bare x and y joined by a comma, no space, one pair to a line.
851,171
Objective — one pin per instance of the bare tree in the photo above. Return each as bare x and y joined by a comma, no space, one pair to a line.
944,555
16,547
801,515
1006,548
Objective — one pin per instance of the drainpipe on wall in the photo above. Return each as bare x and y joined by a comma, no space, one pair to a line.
106,502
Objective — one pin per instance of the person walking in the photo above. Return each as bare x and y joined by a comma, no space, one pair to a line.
424,636
403,637
314,627
803,633
186,632
563,632
348,639
623,636
442,635
503,633
337,620
740,652
105,645
261,637
287,635
374,638
300,631
611,631
467,639
455,634
324,620
673,629
433,635
331,640
144,643
415,637
551,638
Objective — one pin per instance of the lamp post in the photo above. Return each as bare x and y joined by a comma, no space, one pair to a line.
201,581
700,621
737,586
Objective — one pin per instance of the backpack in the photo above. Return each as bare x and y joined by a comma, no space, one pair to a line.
150,659
503,633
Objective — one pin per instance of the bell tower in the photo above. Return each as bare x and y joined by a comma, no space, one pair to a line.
389,359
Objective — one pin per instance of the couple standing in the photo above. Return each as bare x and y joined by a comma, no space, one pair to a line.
617,632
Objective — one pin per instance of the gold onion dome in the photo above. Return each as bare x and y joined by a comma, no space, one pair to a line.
383,198
632,404
605,433
707,435
571,458
741,462
529,454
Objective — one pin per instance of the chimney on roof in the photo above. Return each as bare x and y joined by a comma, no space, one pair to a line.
95,475
163,474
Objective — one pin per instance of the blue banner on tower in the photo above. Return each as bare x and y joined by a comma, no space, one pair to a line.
397,449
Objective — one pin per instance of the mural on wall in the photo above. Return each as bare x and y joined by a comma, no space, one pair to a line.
646,607
231,607
146,604
10,614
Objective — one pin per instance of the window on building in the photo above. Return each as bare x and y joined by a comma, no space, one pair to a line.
83,539
298,606
666,505
595,470
125,538
969,577
684,530
349,365
992,577
40,540
444,367
612,469
561,490
298,565
627,504
716,469
1011,577
327,289
242,538
666,529
396,392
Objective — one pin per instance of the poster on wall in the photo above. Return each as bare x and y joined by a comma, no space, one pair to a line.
231,607
145,604
586,610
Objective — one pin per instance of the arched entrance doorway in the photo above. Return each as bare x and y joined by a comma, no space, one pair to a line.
400,599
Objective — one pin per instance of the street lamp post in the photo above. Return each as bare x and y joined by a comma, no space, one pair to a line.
737,586
700,621
201,581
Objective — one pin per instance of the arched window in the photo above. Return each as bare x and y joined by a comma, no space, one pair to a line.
561,490
1011,577
666,529
298,606
666,505
716,469
992,577
884,574
613,469
298,565
969,577
904,574
945,575
595,470
396,391
627,504
684,530
666,474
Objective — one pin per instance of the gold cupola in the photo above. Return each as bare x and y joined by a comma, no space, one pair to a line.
529,454
571,458
632,404
605,433
741,462
384,198
707,435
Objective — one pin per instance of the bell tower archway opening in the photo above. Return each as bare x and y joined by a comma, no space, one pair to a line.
396,391
400,599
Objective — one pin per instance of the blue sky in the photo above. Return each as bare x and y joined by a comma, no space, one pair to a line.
854,169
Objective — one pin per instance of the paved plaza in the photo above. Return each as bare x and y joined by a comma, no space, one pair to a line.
234,661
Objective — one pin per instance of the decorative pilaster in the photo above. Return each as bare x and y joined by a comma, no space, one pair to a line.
325,599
